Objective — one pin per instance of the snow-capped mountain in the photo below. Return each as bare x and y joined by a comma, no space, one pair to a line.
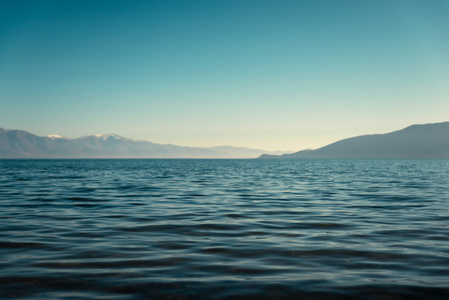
22,144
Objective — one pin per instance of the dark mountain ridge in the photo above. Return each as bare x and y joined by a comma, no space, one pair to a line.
426,141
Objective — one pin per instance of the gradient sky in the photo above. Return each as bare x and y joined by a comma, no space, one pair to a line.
283,75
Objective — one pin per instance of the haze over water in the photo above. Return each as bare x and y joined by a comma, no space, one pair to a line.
217,229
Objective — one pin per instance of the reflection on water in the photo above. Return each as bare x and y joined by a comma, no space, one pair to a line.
217,229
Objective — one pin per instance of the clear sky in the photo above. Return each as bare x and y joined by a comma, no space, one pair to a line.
285,75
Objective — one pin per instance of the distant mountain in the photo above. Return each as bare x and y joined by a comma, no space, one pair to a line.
22,144
428,141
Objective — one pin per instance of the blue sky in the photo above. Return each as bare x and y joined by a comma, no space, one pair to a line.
274,75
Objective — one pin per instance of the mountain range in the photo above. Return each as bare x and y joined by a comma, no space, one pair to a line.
426,141
22,144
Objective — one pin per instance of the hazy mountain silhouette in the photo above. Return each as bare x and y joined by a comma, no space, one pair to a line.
428,141
22,144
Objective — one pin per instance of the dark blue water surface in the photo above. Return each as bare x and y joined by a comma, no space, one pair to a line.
224,229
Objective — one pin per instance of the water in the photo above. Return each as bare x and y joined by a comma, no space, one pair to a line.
224,229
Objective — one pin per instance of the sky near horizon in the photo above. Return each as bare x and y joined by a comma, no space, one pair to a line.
274,75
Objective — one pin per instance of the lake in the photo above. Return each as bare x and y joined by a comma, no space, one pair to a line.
224,229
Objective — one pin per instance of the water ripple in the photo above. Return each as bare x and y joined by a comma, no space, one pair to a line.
224,229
